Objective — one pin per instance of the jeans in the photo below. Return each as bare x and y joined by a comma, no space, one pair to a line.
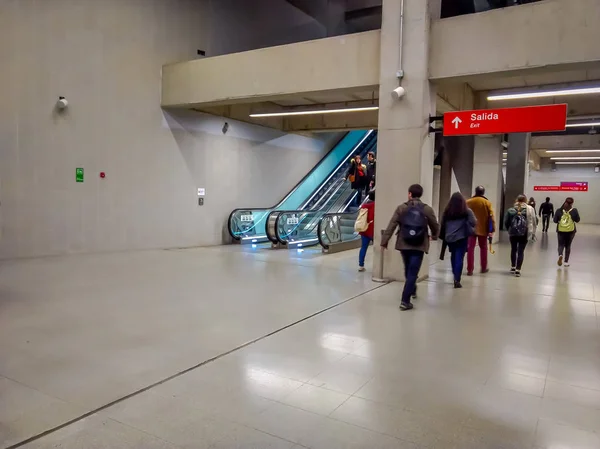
517,250
358,198
545,222
366,241
483,249
412,264
564,243
457,257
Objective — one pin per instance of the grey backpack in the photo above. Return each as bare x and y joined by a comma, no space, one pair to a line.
518,224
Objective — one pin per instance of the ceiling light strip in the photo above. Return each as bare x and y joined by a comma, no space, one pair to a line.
575,158
576,163
574,150
582,125
542,94
314,112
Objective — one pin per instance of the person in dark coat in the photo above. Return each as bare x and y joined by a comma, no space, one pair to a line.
371,169
412,251
458,223
357,175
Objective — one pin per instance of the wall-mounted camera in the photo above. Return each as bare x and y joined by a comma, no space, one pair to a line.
62,104
398,93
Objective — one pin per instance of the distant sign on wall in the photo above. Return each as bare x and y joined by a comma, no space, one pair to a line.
564,187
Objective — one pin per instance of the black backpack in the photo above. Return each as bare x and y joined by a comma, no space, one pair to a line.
413,224
518,224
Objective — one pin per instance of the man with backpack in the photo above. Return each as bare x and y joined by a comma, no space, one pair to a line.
414,220
520,222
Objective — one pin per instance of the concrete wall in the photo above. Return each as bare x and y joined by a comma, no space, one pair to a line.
586,202
344,62
242,25
106,58
539,35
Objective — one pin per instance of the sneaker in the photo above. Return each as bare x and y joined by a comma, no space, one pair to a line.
567,264
457,284
560,259
513,269
361,269
406,306
414,295
485,271
469,273
518,273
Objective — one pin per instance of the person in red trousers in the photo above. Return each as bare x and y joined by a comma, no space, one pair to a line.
486,226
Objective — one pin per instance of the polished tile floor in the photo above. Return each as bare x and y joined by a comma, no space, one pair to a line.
309,353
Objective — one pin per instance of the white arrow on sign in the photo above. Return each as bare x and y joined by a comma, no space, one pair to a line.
456,122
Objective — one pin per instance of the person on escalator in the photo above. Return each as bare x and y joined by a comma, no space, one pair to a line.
357,175
366,236
371,169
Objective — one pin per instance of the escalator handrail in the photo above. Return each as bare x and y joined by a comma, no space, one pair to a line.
279,212
296,187
336,170
322,220
298,211
268,210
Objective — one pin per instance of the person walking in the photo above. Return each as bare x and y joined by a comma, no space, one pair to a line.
532,203
565,218
546,211
413,219
486,226
458,224
520,222
366,236
357,175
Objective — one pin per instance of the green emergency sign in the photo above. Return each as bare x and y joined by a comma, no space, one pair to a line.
79,174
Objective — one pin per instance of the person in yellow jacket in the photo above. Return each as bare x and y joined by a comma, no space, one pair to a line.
486,226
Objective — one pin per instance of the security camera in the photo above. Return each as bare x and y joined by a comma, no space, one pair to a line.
398,93
62,103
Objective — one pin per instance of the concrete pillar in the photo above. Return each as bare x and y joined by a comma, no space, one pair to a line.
487,172
435,201
461,157
517,167
445,188
404,147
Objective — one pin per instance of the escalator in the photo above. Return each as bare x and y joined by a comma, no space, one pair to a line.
300,227
336,232
321,189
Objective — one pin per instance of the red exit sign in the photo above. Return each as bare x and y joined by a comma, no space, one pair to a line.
564,187
506,120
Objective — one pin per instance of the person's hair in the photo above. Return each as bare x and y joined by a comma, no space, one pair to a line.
521,199
479,191
532,200
416,191
568,204
547,199
370,153
372,195
357,155
456,208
